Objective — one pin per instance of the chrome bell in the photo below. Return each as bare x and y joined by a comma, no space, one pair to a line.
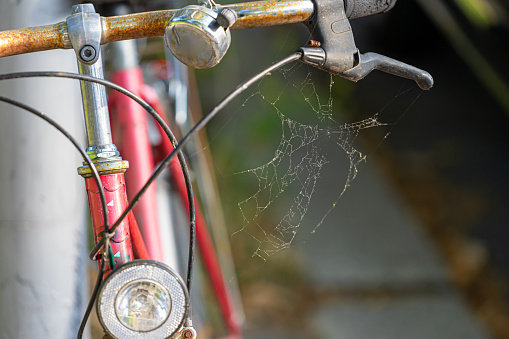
196,37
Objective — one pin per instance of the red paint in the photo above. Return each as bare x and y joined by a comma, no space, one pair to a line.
130,134
209,257
131,137
203,238
139,248
164,148
116,200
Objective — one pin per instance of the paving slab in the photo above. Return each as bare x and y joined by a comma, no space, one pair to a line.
268,334
377,274
422,317
369,239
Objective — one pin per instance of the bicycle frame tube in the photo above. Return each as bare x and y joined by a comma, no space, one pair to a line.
149,24
114,188
131,134
204,239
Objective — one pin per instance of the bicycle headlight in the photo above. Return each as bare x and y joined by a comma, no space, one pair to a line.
142,299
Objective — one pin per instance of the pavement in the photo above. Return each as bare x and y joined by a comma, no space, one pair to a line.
371,272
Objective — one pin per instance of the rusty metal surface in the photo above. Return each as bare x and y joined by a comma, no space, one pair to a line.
150,24
250,15
271,13
34,39
107,167
135,26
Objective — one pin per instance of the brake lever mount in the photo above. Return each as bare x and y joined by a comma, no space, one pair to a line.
338,54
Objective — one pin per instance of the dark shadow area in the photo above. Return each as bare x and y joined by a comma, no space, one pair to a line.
441,151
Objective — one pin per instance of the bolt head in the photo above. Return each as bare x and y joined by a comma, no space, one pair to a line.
187,334
88,53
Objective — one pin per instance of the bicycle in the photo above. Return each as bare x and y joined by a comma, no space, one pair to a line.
131,282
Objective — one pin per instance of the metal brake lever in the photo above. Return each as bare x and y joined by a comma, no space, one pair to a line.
331,31
367,62
371,61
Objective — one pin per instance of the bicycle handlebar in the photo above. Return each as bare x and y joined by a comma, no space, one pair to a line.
327,20
150,24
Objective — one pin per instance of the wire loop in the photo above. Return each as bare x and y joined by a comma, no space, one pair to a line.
104,242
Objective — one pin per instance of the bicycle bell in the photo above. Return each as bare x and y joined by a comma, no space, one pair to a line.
199,36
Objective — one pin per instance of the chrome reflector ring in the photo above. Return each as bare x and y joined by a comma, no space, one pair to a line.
145,274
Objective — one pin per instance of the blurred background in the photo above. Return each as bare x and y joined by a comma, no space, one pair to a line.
420,234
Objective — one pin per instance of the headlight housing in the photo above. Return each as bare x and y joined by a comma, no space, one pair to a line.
142,299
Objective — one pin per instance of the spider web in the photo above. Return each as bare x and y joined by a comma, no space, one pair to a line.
297,164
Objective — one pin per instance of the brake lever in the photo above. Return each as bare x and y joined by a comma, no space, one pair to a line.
371,61
337,54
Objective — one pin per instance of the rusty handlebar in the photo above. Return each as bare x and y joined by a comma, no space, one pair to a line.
150,24
327,21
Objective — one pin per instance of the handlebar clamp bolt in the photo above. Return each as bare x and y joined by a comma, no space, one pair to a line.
88,53
188,333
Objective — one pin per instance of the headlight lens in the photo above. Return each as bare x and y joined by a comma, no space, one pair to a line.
142,299
143,305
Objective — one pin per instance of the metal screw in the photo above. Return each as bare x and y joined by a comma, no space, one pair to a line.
314,43
226,17
187,334
88,53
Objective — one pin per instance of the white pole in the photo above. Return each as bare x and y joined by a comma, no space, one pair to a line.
43,279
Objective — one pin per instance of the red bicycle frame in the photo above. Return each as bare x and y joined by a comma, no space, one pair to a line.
130,134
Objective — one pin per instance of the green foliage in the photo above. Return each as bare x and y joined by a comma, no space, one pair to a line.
479,12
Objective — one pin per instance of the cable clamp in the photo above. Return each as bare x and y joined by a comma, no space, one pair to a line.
100,244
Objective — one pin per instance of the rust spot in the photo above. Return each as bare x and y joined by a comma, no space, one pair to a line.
104,168
34,39
135,26
187,334
271,13
314,43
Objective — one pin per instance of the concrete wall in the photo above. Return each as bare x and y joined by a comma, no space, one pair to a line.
43,278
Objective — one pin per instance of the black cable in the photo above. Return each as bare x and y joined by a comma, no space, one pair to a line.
167,131
177,149
99,185
169,134
203,121
93,297
149,109
73,141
